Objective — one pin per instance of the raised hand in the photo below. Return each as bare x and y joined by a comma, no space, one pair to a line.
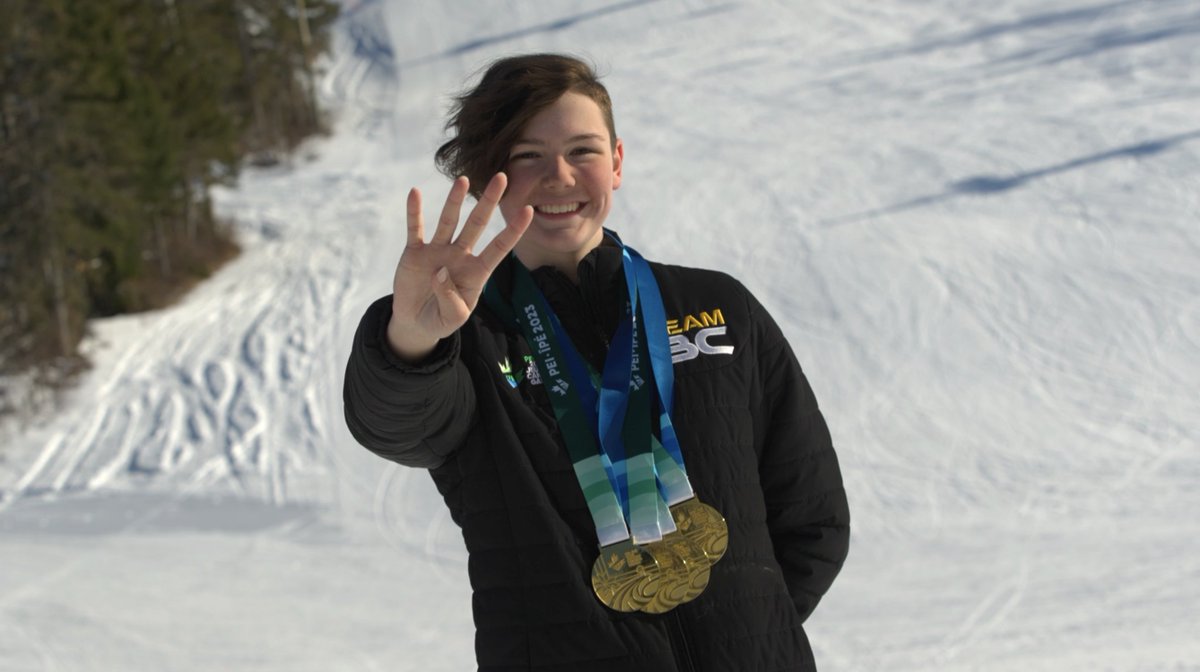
438,283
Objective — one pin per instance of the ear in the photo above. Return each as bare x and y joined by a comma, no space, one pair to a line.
618,159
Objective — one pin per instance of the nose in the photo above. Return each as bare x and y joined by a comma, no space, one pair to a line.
559,173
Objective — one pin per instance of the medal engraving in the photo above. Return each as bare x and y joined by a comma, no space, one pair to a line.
667,587
620,576
660,576
698,563
703,526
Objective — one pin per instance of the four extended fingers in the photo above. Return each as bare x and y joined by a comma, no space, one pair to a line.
498,248
448,222
481,214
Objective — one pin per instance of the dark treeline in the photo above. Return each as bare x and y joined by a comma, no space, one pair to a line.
116,117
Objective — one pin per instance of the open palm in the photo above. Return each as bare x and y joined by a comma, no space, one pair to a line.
438,283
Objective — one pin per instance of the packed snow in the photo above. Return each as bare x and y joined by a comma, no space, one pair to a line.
978,224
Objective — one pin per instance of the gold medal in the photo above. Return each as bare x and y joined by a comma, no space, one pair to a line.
687,555
669,586
657,577
621,574
694,560
702,525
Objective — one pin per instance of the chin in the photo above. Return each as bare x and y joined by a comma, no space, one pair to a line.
565,237
555,246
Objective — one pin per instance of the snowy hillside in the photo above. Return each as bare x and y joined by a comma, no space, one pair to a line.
978,224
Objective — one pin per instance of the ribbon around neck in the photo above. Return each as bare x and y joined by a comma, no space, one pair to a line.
628,476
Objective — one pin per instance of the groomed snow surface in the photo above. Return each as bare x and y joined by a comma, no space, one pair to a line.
978,223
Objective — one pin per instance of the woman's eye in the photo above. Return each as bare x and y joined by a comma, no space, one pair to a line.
523,155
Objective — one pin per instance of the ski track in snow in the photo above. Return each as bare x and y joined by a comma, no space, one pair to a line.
217,394
976,223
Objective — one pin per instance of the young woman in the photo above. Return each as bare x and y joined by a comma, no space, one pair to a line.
638,465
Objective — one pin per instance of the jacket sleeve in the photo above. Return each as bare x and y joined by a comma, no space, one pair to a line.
807,512
413,414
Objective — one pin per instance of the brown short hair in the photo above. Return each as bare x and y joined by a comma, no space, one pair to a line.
487,120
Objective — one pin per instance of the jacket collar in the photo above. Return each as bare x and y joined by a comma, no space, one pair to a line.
588,311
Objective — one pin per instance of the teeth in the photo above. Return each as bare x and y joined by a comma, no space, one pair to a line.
559,209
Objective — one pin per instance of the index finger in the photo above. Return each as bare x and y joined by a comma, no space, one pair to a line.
506,240
416,223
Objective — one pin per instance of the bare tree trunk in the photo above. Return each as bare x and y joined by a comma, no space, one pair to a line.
306,45
164,259
8,117
260,130
172,13
54,262
62,311
189,212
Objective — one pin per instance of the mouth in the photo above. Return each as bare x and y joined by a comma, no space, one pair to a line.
558,209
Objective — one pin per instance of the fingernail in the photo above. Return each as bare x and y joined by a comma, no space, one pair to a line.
443,275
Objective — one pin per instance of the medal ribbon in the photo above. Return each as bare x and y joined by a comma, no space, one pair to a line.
644,294
631,476
571,403
668,460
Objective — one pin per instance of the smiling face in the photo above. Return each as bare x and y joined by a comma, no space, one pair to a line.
565,165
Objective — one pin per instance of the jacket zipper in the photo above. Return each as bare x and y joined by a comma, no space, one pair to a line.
679,644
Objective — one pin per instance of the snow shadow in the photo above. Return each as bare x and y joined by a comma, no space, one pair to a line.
372,44
548,27
364,70
986,185
990,184
1056,51
96,514
1058,23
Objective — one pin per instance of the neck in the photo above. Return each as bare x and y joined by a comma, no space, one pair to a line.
565,262
568,265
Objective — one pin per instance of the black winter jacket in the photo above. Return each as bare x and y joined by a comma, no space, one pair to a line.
755,445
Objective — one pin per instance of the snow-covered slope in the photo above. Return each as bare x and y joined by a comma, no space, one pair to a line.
978,223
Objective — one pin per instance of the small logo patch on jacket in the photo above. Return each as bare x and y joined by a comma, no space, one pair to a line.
707,325
515,376
507,372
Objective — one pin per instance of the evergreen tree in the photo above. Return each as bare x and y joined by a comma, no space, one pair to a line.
116,117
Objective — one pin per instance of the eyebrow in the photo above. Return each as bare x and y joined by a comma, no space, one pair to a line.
577,138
